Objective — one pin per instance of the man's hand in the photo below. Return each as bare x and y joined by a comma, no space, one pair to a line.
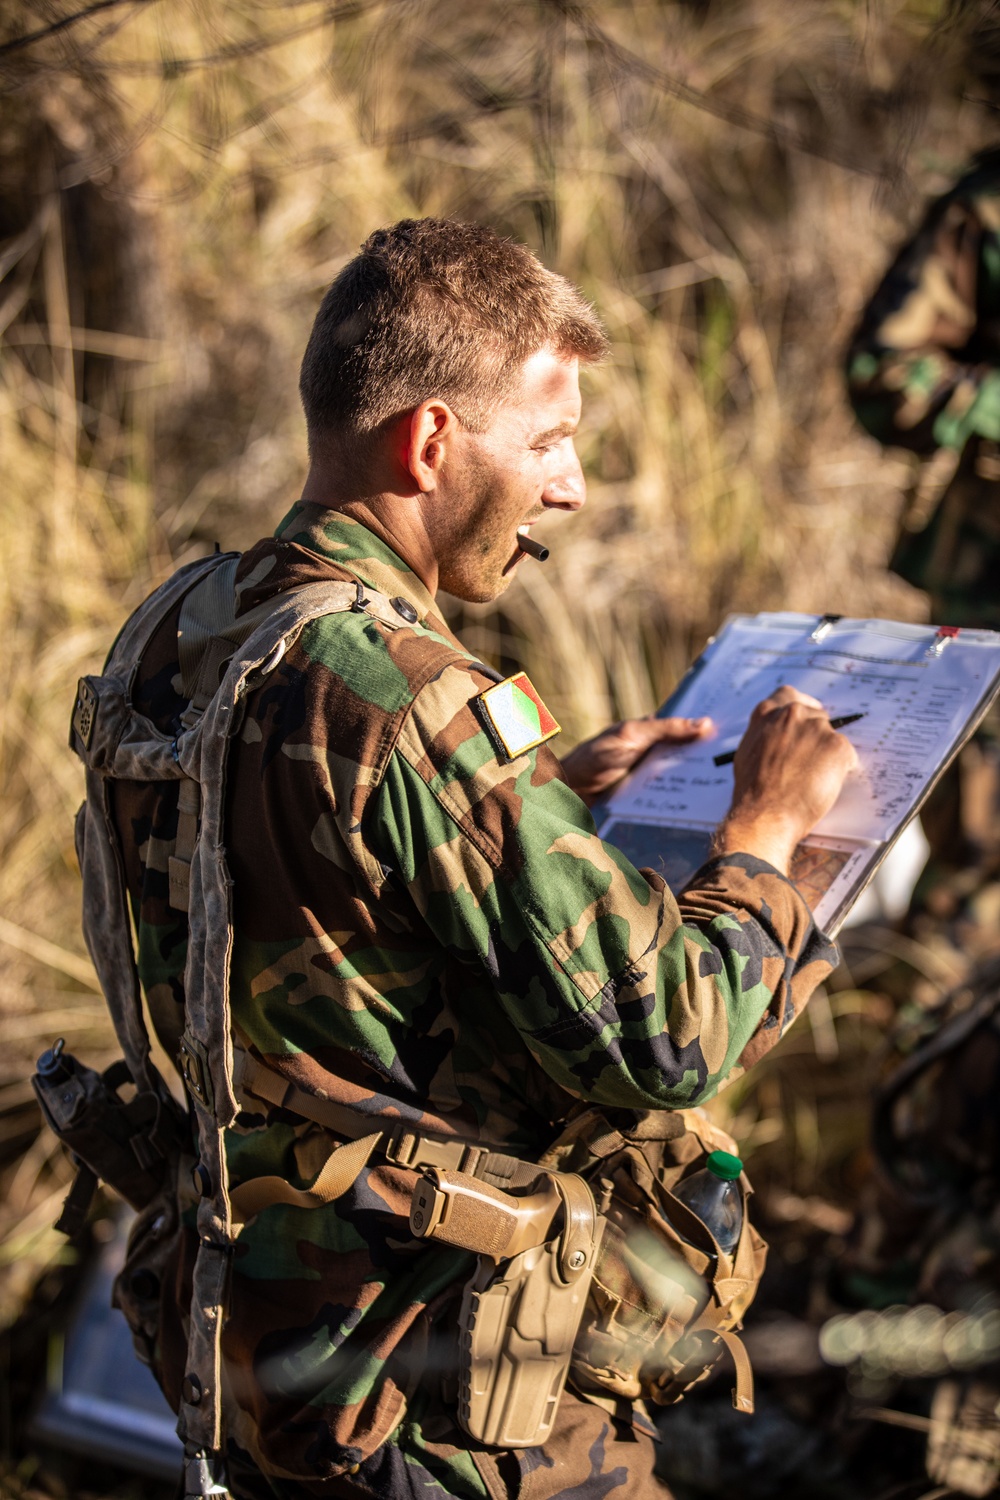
597,765
789,770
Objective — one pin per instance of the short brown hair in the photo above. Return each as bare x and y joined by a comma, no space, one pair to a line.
435,307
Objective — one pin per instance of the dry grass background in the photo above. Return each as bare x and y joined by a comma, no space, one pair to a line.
179,181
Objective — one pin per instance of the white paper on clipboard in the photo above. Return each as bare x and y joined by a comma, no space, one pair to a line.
921,693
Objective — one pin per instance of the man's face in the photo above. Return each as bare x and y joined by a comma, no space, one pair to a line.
506,477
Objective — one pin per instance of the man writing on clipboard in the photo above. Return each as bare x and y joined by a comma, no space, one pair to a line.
424,915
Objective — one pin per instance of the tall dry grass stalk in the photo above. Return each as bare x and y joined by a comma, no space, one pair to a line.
178,184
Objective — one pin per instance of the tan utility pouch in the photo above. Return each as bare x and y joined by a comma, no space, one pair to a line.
522,1308
616,1285
661,1307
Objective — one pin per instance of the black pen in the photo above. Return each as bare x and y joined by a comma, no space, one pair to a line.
728,756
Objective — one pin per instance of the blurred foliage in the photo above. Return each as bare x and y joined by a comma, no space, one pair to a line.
179,181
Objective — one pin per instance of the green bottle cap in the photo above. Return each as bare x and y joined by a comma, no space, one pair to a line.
723,1164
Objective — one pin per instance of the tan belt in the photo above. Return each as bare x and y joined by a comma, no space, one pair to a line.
398,1142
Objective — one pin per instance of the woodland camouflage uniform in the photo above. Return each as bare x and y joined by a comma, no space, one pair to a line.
924,374
426,930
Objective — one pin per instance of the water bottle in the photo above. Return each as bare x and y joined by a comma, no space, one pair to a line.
714,1195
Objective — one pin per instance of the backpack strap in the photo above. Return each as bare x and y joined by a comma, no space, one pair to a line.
107,927
116,742
743,1389
202,751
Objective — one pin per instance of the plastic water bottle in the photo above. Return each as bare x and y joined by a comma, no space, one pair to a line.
714,1195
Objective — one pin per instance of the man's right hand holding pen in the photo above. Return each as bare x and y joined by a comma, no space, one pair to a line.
788,772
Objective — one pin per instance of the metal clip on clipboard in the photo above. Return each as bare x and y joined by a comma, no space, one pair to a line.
823,626
945,633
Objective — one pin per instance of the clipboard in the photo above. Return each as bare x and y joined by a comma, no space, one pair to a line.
920,692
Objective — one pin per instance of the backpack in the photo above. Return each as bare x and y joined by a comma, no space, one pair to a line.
140,1144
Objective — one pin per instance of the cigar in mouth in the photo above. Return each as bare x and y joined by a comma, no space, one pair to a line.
531,548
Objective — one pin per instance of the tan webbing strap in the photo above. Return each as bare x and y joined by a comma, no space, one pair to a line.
398,1142
179,863
743,1389
209,631
339,1172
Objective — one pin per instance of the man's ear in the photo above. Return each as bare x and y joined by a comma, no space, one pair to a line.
432,426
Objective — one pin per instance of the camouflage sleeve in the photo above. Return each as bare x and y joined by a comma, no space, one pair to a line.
922,371
623,996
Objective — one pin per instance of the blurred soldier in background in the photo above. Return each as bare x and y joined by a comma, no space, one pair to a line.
924,374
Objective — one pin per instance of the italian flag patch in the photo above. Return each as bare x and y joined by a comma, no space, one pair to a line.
515,716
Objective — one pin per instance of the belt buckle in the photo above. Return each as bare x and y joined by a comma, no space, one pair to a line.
408,1147
402,1148
471,1159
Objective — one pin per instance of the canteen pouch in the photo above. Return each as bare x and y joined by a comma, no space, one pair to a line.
522,1308
664,1301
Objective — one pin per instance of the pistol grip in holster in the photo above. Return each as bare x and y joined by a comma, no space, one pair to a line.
522,1309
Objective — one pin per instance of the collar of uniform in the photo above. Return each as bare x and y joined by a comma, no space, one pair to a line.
357,550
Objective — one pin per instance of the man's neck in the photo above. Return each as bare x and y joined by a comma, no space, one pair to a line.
397,520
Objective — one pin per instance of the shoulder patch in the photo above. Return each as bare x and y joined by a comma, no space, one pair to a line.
515,716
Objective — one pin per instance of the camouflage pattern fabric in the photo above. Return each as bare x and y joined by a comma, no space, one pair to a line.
924,374
589,1455
426,931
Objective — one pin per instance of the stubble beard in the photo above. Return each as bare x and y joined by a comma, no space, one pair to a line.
480,549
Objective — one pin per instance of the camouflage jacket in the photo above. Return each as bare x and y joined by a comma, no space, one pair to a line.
924,374
425,930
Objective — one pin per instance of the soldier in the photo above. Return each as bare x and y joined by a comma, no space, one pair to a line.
924,374
426,925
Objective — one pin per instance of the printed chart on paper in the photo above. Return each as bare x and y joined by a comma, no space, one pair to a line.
920,694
